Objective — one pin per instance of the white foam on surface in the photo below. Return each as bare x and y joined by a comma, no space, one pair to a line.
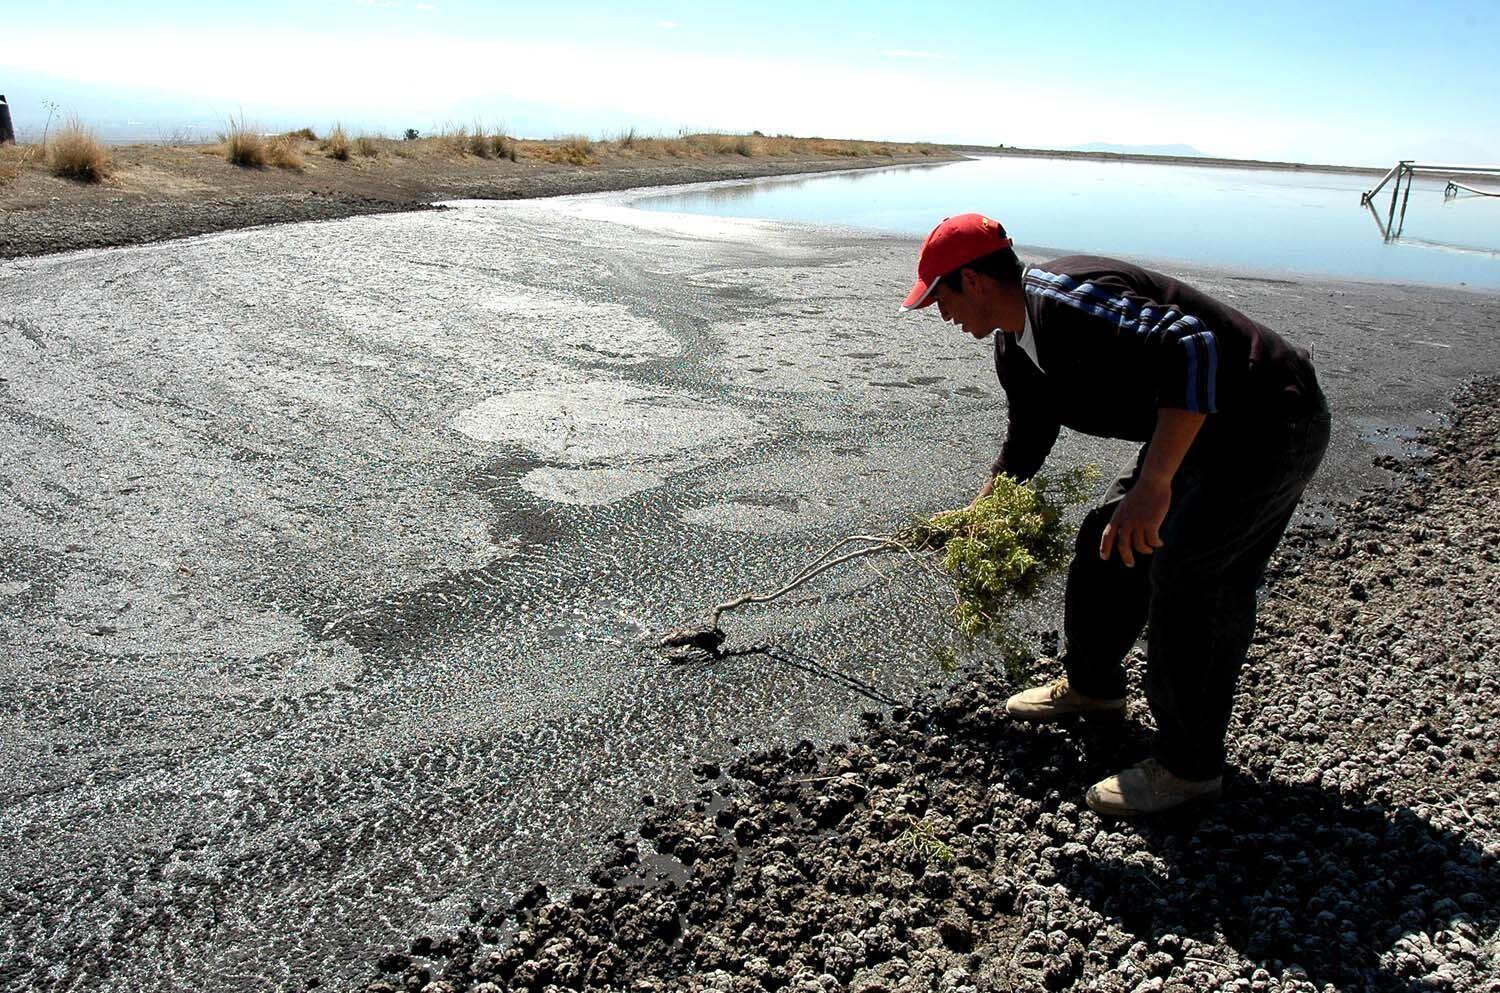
578,421
587,487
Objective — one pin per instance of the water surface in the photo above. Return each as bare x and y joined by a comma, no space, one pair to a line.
1254,219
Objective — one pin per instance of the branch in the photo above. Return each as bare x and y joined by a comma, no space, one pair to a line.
819,565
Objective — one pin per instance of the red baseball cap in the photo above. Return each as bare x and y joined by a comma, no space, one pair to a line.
955,242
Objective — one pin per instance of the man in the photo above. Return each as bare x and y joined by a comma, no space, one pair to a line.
1234,426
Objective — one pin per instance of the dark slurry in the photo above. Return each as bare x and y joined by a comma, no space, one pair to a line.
946,848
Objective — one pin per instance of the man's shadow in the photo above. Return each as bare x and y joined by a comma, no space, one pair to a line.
1285,874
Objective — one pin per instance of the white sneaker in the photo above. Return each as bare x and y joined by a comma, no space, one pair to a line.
1149,788
1056,699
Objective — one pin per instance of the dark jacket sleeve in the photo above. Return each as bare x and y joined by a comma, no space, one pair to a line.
1032,425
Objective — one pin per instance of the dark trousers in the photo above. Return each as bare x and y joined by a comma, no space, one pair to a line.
1231,501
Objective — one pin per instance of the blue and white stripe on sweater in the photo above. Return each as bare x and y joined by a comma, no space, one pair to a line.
1153,324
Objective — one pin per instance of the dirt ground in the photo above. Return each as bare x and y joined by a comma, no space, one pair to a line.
946,848
295,665
156,192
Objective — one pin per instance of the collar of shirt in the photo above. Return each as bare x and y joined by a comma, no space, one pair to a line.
1026,340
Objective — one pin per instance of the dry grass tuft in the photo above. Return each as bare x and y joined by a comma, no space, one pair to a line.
468,142
478,144
243,145
631,144
283,152
458,142
13,158
450,141
303,134
8,171
504,146
575,149
77,153
714,144
336,145
757,145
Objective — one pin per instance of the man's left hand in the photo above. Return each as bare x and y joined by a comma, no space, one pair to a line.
1135,528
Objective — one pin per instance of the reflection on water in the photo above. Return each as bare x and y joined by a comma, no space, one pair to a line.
1397,232
1255,219
729,192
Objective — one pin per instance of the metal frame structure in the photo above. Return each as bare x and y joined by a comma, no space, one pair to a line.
1392,227
1454,187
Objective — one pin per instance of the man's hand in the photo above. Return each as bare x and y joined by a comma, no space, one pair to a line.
984,491
1135,528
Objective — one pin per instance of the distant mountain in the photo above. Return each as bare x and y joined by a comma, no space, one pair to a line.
1102,146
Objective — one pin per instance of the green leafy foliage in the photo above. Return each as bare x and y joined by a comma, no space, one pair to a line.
920,843
1000,550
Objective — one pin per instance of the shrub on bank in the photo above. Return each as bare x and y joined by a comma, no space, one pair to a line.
451,141
503,146
14,158
77,153
478,144
336,145
575,149
283,152
366,147
243,146
10,164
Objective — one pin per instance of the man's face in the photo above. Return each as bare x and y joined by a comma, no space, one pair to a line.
963,309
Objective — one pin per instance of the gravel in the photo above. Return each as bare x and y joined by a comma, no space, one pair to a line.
946,848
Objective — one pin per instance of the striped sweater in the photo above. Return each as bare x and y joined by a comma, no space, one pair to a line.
1119,342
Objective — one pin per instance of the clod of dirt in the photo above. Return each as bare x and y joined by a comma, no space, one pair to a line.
682,643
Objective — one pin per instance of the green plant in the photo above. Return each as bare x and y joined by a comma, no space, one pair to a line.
996,552
920,843
1003,547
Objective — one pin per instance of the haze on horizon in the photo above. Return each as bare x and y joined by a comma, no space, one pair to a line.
1339,82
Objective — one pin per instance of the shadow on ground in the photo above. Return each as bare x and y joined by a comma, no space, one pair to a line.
1349,891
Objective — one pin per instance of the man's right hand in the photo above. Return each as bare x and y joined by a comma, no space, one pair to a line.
984,491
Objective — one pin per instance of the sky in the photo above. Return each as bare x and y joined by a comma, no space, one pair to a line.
1323,81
